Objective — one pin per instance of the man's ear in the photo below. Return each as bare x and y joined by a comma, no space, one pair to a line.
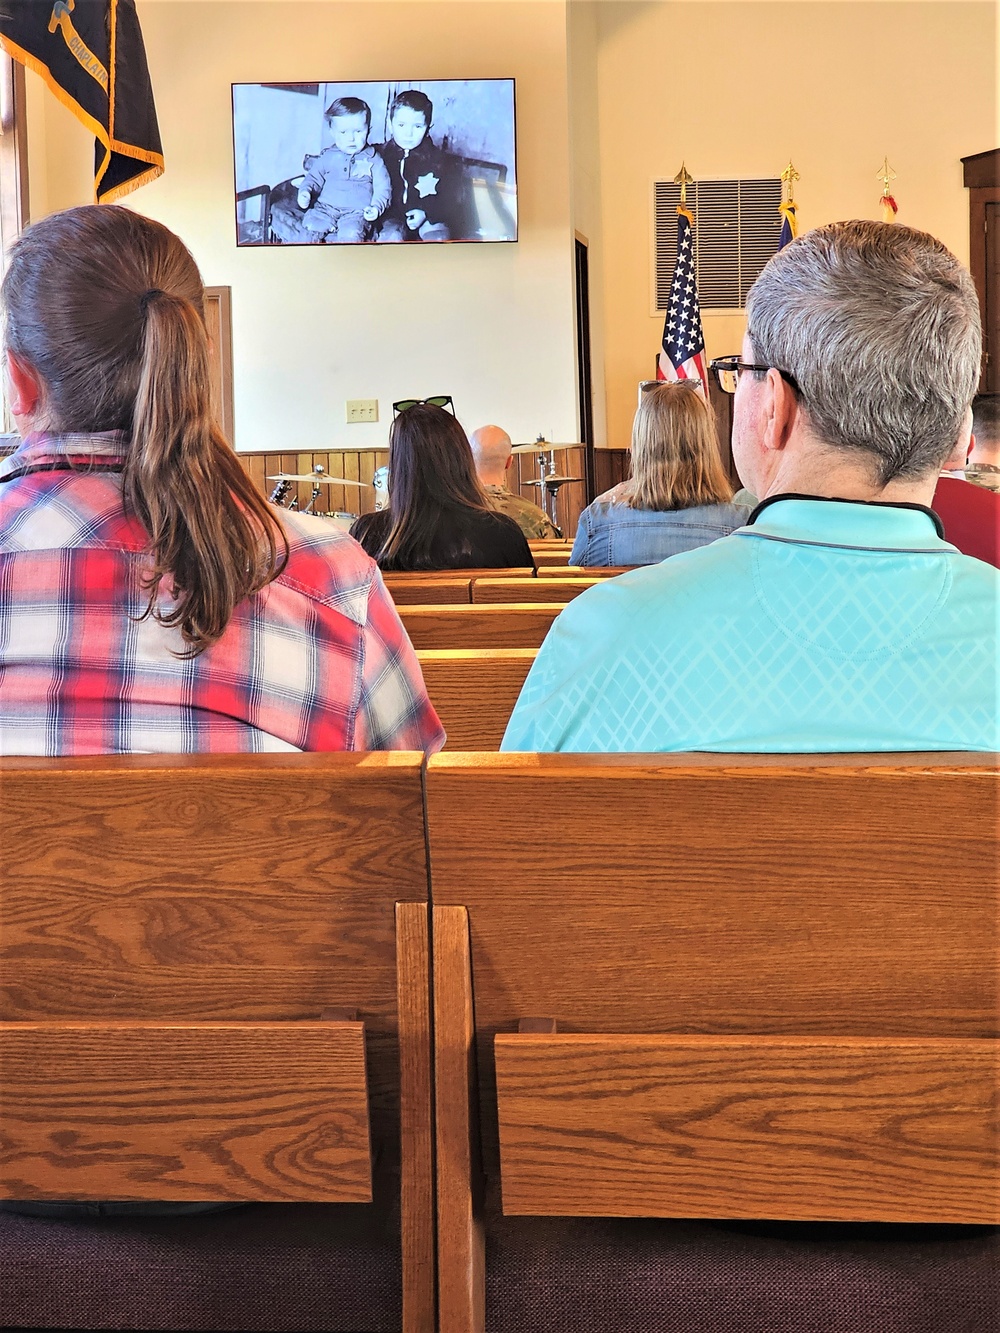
24,388
510,459
780,409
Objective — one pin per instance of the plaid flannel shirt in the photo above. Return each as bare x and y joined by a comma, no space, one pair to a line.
318,660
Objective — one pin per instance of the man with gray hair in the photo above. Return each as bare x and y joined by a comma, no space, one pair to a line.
838,618
491,449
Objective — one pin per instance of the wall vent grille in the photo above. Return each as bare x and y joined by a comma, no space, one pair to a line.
736,226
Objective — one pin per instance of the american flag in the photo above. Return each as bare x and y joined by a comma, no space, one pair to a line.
683,355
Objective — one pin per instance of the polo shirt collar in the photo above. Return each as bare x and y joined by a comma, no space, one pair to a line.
857,524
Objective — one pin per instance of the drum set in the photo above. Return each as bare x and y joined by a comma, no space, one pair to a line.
319,477
548,480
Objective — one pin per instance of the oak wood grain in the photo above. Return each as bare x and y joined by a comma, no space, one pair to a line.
231,887
474,691
513,626
585,571
880,1129
839,895
413,968
408,576
444,591
487,590
265,1111
460,1237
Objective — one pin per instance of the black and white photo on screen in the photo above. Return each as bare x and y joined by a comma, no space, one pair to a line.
375,163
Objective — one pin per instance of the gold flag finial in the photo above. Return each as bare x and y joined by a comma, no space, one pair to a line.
886,174
788,177
684,179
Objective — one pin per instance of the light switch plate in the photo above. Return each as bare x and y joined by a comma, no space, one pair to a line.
362,409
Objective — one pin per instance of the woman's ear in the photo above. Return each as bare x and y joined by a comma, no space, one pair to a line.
24,388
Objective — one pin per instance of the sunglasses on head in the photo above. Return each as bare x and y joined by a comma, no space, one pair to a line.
645,386
439,400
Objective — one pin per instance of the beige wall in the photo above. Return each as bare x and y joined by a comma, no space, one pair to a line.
491,324
611,95
737,88
583,45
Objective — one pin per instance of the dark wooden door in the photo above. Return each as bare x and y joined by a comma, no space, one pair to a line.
991,305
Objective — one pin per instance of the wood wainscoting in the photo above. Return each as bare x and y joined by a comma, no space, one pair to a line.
361,464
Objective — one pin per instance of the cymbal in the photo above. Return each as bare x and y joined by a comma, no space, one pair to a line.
543,447
553,481
318,478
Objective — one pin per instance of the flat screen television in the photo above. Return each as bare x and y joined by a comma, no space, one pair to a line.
425,161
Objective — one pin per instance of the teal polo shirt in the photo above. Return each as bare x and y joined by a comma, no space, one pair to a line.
822,625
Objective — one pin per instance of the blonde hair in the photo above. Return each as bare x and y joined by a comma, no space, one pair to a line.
675,451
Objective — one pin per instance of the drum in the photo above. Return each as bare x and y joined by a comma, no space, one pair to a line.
340,518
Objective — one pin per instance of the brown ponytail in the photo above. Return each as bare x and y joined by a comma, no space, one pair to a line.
107,307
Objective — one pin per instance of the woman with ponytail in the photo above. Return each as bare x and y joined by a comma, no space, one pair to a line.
150,598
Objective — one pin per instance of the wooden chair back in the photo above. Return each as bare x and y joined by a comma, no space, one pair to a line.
474,691
713,986
215,975
521,625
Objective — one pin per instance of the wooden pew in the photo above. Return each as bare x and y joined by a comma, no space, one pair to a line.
489,590
474,691
712,987
514,625
439,590
552,559
213,967
444,587
585,571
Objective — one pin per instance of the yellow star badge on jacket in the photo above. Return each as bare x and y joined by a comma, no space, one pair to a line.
427,184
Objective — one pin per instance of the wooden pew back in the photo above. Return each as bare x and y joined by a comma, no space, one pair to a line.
773,981
199,959
487,590
442,587
474,691
521,625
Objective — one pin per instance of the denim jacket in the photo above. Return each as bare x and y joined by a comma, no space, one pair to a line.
611,533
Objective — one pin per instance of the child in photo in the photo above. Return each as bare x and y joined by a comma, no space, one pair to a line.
428,186
347,188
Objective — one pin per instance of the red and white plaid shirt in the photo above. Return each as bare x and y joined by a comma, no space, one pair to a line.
318,660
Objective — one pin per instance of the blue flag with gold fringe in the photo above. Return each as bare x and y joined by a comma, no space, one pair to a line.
91,55
788,224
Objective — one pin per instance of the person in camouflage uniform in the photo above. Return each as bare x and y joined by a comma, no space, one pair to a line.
491,448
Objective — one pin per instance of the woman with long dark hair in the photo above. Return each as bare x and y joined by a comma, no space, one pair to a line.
439,516
152,600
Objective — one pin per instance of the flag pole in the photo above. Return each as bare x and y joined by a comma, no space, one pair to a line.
684,179
890,208
682,347
788,208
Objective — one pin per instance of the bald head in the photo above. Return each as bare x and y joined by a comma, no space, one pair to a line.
491,450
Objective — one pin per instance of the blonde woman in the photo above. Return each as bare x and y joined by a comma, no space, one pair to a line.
678,496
